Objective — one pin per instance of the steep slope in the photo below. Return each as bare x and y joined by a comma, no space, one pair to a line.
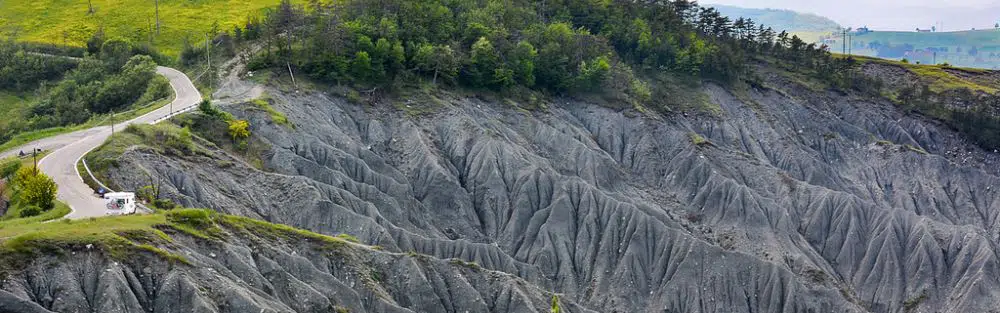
232,264
791,201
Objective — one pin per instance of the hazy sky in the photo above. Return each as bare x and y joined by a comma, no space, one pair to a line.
890,14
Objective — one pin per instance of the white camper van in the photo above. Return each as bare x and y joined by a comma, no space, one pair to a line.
119,203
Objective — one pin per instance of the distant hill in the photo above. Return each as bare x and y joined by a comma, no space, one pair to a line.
979,48
787,20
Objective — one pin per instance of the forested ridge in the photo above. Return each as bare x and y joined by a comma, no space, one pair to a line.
555,46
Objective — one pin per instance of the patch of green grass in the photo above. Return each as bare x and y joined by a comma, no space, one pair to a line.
349,238
196,223
122,238
279,231
164,254
264,103
939,78
86,177
22,242
916,149
555,304
471,265
698,140
68,22
164,138
12,218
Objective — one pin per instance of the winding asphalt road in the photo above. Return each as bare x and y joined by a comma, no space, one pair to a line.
67,149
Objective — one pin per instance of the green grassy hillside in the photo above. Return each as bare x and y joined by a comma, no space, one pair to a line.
68,21
980,48
989,37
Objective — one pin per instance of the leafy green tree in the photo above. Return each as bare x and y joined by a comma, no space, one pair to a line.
37,189
483,63
397,58
593,73
524,63
437,61
365,44
503,78
361,66
116,52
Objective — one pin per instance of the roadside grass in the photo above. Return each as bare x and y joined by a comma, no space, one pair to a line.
12,218
86,177
98,120
164,138
67,22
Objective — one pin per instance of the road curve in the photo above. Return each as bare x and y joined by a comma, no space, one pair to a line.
67,149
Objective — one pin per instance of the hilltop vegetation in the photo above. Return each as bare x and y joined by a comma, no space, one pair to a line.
72,23
626,51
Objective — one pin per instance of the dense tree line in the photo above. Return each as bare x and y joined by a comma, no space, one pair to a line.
550,45
71,91
21,70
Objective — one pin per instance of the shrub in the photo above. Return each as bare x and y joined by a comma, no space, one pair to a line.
30,211
35,188
196,218
239,129
206,107
164,204
353,96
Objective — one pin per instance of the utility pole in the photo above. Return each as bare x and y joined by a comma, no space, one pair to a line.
208,49
843,42
157,17
34,155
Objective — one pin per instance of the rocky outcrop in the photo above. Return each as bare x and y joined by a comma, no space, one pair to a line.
795,202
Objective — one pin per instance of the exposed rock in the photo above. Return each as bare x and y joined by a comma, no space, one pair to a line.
253,273
803,201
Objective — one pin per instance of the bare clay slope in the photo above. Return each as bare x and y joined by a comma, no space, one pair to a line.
259,269
797,202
